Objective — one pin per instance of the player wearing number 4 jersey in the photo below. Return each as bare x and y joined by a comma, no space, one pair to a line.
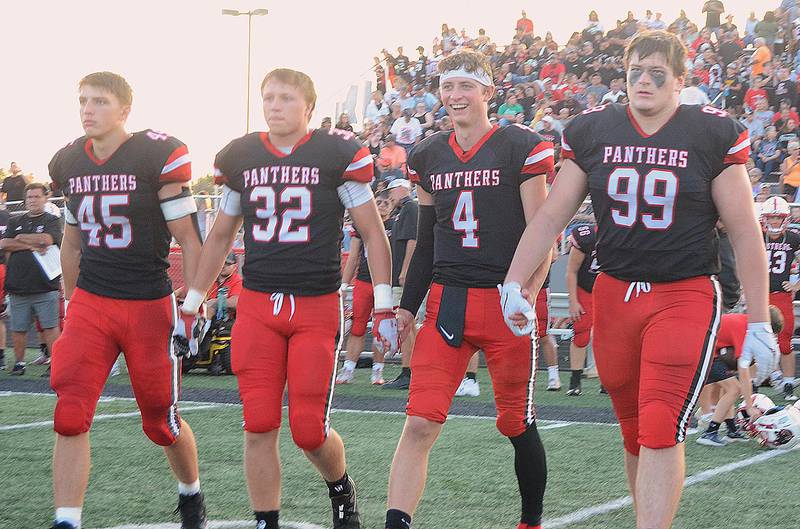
477,186
659,174
290,187
126,197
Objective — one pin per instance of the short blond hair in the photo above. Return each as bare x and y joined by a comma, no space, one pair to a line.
471,61
670,46
295,78
111,82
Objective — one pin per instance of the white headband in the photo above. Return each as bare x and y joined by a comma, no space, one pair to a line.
478,76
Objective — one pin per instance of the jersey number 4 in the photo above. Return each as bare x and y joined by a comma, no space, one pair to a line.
660,191
113,230
265,232
464,220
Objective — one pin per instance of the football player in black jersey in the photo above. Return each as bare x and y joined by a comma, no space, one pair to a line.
660,174
477,187
290,187
783,250
126,196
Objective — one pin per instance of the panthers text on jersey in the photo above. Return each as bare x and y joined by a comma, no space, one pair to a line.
781,253
291,208
115,204
584,238
479,213
652,193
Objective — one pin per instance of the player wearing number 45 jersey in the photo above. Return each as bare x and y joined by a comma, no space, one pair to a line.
659,174
477,186
126,197
290,187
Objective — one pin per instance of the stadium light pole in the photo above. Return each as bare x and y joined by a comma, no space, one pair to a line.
250,15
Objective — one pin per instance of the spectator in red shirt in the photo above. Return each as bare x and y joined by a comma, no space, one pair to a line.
553,70
755,92
228,278
525,24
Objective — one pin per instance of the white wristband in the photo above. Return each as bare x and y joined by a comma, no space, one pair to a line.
383,297
191,303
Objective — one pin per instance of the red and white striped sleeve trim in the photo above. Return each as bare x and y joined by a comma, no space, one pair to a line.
178,167
219,177
540,160
566,150
360,168
412,174
740,152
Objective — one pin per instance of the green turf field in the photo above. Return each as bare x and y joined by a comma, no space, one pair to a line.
471,484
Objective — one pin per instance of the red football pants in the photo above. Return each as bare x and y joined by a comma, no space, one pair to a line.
96,330
783,300
583,327
439,368
281,340
542,312
653,351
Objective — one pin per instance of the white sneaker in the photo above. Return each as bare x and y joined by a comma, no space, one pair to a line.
345,376
554,384
468,388
376,379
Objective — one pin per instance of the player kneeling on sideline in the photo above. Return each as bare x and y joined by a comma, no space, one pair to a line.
358,265
126,197
783,250
290,187
730,340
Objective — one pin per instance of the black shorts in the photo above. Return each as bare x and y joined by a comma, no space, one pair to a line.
720,369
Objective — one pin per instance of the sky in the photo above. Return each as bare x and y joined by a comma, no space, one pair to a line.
187,62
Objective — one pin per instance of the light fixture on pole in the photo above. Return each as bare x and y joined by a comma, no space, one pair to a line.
250,15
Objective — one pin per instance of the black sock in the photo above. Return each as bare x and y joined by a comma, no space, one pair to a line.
406,371
472,376
2,352
270,517
397,519
339,487
530,464
575,378
713,427
43,349
731,425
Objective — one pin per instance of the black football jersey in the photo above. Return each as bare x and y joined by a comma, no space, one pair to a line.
652,193
479,214
114,202
362,273
781,253
291,208
4,217
584,238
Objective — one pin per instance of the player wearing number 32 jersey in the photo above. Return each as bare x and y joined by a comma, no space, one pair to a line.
659,174
290,187
126,197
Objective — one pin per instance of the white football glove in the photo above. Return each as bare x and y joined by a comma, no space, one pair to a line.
186,334
512,302
384,330
760,345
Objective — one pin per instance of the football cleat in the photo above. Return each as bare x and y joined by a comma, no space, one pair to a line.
736,436
63,525
553,385
376,378
711,439
41,360
788,392
19,369
574,392
192,509
345,376
345,509
468,388
2,362
401,382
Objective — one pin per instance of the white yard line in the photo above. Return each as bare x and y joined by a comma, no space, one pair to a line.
620,503
101,417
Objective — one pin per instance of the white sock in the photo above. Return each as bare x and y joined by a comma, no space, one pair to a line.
552,372
377,366
349,365
70,515
189,489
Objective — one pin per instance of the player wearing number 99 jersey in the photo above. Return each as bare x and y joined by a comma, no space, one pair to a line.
477,186
126,197
659,174
290,187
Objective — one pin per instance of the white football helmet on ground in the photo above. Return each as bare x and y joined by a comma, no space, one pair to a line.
779,428
762,403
